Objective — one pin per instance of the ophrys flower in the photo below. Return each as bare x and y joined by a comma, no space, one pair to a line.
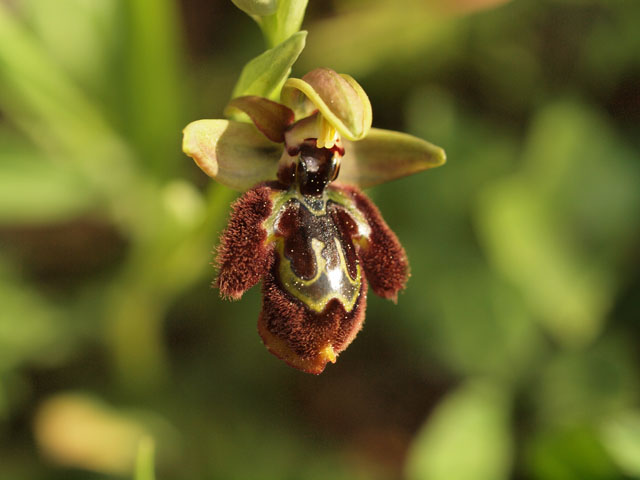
303,226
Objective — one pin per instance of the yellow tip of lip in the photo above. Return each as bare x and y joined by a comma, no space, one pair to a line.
328,354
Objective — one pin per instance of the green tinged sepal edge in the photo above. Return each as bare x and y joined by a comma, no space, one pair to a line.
386,155
234,153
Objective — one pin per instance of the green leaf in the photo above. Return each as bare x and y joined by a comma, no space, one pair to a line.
620,434
558,227
32,329
35,189
145,460
154,87
386,155
81,37
285,22
576,387
264,74
257,7
235,154
571,452
41,191
41,99
467,437
381,36
490,332
525,241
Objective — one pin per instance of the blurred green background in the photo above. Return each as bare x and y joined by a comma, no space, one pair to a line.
513,353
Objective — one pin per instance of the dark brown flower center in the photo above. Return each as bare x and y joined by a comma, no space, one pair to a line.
316,167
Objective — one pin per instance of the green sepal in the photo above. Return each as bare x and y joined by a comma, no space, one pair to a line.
271,118
339,98
386,155
265,73
286,21
235,154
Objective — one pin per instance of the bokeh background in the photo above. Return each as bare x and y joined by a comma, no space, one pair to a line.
513,353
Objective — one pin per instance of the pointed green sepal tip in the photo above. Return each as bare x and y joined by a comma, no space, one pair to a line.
271,118
263,75
259,8
235,154
387,155
339,98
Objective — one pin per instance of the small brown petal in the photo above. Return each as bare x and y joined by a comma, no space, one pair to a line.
271,118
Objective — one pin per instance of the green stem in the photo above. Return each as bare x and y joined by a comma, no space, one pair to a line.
135,331
157,272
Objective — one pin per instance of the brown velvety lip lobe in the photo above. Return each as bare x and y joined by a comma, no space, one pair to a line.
297,245
242,254
298,335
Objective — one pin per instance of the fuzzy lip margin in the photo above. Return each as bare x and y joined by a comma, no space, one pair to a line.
303,338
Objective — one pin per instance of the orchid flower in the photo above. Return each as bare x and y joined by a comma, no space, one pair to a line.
303,226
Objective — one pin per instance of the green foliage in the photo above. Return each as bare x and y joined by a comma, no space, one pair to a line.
569,453
536,224
621,437
513,351
152,66
34,189
467,437
30,325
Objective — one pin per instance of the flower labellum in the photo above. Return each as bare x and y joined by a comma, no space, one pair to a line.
303,227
